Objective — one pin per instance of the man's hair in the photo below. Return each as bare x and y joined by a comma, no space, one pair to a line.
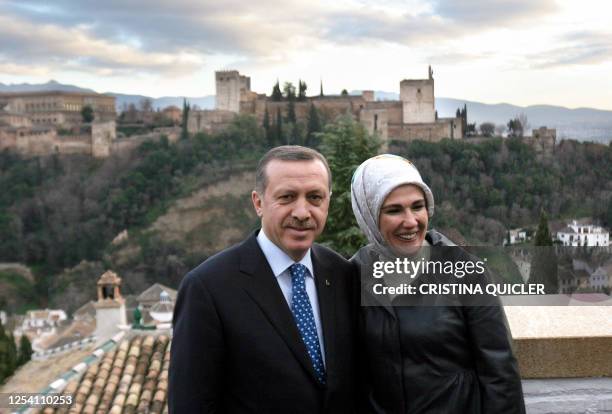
287,153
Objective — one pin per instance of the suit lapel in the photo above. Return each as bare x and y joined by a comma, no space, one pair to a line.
326,292
263,288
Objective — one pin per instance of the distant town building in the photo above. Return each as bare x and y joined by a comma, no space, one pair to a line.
173,113
43,318
576,234
150,297
110,306
601,278
516,236
161,312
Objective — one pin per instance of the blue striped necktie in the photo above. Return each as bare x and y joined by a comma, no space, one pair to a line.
304,318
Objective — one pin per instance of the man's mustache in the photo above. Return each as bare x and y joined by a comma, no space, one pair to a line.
300,225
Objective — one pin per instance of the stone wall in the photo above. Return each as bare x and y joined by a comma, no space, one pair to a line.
432,131
209,121
95,139
102,136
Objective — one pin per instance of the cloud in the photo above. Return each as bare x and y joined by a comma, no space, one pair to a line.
578,48
115,37
493,12
449,58
75,48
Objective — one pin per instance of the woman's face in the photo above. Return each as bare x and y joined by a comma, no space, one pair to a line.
403,219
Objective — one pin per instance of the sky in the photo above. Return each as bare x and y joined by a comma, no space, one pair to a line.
524,52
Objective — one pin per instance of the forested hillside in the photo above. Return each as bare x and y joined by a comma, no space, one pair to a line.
484,189
182,202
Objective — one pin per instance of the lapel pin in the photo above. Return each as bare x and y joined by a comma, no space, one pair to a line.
327,282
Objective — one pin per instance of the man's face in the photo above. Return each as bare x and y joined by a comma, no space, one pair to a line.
294,206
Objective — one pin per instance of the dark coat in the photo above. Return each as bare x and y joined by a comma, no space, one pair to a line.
237,349
434,359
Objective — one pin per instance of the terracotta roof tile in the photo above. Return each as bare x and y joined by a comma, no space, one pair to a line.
131,378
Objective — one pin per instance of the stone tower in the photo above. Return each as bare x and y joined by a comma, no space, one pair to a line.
417,96
110,307
230,87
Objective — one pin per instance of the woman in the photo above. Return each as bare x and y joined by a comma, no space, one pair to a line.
423,353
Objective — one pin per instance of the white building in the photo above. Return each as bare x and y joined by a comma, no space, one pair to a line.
43,319
576,234
516,236
601,278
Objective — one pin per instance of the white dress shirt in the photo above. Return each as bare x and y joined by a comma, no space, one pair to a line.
279,263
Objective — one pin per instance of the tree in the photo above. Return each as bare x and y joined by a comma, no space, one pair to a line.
345,144
522,117
266,127
8,355
146,104
500,129
301,91
87,113
291,117
25,350
470,130
487,129
277,95
344,92
515,128
544,262
314,126
321,90
184,126
289,91
279,127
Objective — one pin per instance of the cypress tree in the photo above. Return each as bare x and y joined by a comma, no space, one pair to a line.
25,350
12,354
186,109
291,117
544,263
4,355
279,127
266,126
301,90
314,126
277,95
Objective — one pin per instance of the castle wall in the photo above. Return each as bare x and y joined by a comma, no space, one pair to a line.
417,97
430,131
209,121
102,136
375,121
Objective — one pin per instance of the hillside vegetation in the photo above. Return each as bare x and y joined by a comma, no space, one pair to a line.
183,202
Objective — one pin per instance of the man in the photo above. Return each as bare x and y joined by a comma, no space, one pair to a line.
266,326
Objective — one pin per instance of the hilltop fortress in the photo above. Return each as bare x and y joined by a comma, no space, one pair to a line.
412,117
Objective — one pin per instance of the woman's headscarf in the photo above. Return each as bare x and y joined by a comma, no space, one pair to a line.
372,182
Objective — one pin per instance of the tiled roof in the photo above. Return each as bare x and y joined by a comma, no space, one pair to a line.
76,331
153,292
130,378
87,310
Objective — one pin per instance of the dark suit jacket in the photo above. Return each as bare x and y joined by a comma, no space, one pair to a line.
237,349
